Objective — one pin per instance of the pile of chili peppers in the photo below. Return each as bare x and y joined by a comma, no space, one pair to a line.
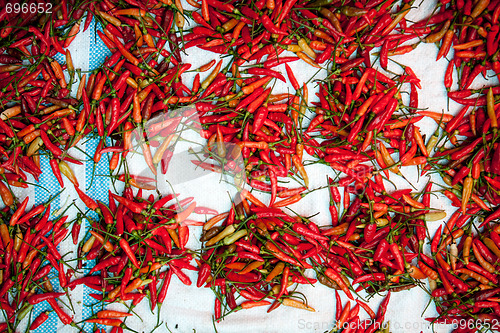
37,109
465,250
463,276
347,319
271,134
257,252
30,260
377,239
131,242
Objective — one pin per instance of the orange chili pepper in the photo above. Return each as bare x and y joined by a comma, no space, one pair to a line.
300,168
492,246
444,118
306,48
237,30
416,273
236,265
474,275
136,283
288,201
106,243
125,52
343,316
446,43
437,36
480,6
420,142
180,217
409,200
256,145
307,60
467,45
253,304
138,35
442,263
210,78
297,304
66,170
250,197
113,162
466,249
6,195
389,162
174,237
486,265
10,112
251,267
217,218
451,222
69,62
454,235
4,234
146,151
58,72
466,192
206,67
150,268
110,18
204,11
254,85
275,271
193,3
490,104
477,199
130,11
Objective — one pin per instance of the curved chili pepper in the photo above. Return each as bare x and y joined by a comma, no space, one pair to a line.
49,145
35,299
128,251
332,274
63,316
42,317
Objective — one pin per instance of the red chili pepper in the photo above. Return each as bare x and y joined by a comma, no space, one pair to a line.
304,231
332,274
153,292
6,287
50,146
447,286
111,261
42,272
42,317
283,286
492,216
217,306
131,205
35,299
383,306
20,211
106,321
369,277
203,274
163,291
183,277
128,251
88,201
63,316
